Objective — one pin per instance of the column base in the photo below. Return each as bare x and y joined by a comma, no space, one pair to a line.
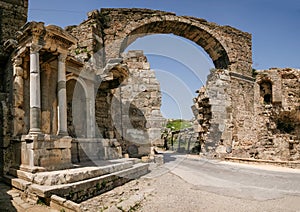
35,131
62,133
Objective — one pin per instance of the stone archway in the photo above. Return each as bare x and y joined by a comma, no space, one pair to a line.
201,37
228,47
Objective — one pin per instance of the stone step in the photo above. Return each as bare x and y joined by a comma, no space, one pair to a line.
79,172
83,189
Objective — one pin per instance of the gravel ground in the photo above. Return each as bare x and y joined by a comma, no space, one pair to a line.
167,192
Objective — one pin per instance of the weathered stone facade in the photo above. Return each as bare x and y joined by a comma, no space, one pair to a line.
277,108
250,117
13,15
140,96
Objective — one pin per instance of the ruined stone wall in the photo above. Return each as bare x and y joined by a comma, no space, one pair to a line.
224,113
104,114
278,117
13,15
213,108
139,116
90,40
243,114
129,109
237,116
203,115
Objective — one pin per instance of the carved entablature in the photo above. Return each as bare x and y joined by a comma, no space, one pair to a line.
56,38
52,38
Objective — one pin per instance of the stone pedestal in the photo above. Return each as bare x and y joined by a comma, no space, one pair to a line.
95,149
45,153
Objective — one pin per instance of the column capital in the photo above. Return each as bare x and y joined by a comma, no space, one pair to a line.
35,48
62,57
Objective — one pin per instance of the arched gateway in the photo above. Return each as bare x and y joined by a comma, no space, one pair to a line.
228,47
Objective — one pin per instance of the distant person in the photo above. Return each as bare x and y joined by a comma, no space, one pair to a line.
166,143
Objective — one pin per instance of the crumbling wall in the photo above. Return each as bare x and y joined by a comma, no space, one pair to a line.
13,15
214,116
243,126
278,119
136,106
103,114
89,36
203,115
225,111
237,116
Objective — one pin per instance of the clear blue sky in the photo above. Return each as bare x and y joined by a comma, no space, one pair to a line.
274,25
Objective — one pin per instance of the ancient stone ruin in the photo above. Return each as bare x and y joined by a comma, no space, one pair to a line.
72,96
250,117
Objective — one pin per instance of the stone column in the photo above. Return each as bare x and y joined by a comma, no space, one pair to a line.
62,96
35,90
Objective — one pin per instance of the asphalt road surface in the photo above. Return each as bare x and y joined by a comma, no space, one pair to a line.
244,181
195,184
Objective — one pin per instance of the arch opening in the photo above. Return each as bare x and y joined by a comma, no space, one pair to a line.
181,66
179,75
202,38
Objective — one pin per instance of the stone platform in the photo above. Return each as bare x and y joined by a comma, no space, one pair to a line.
76,184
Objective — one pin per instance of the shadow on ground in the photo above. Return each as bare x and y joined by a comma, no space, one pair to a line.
171,156
6,199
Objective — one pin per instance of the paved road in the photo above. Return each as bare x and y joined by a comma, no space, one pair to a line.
236,180
196,185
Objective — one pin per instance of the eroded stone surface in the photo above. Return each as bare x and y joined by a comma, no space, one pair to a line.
252,119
